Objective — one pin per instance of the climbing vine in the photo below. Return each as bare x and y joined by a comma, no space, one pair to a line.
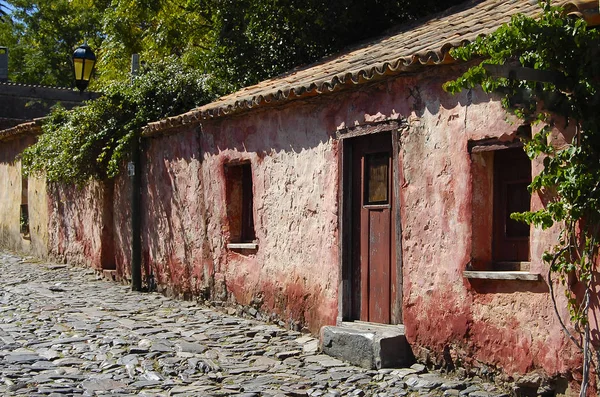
92,141
547,71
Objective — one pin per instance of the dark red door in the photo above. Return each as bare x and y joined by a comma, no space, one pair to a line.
374,273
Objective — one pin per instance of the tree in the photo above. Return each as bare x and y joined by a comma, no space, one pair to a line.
561,55
43,35
154,29
91,141
240,41
3,11
258,39
224,44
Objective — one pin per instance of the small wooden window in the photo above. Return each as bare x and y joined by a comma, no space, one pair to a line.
376,178
517,200
24,210
240,207
501,173
512,175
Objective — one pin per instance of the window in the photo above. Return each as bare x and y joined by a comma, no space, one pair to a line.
24,212
376,178
240,210
500,176
512,175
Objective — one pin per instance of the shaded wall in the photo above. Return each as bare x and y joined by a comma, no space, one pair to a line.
121,226
22,102
11,198
294,271
173,220
80,224
293,158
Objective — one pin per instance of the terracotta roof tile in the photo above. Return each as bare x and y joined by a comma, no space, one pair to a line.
411,46
29,128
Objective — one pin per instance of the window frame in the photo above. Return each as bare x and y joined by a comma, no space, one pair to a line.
484,263
239,192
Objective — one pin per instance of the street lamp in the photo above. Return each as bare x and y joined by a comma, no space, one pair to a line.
83,64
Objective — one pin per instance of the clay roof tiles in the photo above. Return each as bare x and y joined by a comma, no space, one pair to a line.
411,46
31,127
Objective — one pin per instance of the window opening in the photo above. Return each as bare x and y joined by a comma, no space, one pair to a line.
240,207
517,200
500,175
512,175
24,211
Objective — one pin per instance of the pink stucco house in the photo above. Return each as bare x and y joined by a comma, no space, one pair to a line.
354,189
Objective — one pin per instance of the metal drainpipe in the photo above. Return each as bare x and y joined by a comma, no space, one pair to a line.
135,177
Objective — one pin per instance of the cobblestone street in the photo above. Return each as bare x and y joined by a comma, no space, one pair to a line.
64,332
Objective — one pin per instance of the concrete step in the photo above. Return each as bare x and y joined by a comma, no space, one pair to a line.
367,345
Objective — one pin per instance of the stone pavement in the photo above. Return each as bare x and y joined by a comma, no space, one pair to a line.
65,332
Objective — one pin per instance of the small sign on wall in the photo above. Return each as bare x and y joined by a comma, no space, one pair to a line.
130,169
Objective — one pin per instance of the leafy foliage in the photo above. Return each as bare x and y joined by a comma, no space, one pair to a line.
258,39
92,141
238,41
42,35
565,51
154,29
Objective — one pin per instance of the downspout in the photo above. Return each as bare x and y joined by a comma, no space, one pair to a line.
135,177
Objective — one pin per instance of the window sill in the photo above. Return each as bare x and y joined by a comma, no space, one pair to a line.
242,246
501,275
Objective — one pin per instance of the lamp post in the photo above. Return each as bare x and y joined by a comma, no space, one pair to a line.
83,65
136,197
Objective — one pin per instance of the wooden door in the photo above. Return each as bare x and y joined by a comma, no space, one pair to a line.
512,175
372,220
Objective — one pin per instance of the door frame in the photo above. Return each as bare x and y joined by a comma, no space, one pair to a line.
345,220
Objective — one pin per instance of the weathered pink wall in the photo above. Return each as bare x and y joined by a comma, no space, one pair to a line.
80,224
294,169
174,215
295,270
504,324
121,228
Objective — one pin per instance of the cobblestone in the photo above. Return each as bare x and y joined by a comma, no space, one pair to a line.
64,332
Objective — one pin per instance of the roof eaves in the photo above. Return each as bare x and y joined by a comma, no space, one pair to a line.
30,128
274,91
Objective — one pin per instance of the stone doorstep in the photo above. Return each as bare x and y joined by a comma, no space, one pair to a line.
367,345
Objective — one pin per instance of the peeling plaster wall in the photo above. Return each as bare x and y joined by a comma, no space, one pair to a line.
449,319
10,202
121,211
295,270
173,220
294,165
80,224
293,273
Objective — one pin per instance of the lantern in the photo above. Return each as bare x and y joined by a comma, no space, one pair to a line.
83,64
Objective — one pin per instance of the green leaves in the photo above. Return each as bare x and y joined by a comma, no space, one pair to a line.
259,39
42,35
239,41
93,140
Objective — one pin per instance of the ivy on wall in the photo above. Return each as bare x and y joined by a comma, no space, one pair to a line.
553,69
92,141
